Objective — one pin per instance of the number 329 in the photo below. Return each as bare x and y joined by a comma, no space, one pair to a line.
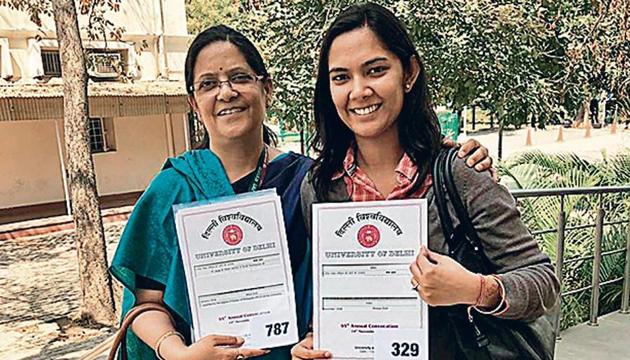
405,349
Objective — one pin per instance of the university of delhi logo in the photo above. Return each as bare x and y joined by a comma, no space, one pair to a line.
232,234
368,236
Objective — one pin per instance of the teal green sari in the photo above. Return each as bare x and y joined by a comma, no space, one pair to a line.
148,247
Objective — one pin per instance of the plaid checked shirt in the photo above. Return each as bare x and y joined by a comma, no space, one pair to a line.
362,188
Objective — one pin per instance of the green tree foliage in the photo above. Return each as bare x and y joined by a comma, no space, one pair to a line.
201,14
487,54
98,27
515,59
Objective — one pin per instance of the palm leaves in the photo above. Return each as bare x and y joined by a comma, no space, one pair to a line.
537,170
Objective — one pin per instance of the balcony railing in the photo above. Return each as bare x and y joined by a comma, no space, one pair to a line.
621,192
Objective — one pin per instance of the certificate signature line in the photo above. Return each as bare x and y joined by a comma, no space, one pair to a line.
242,290
370,298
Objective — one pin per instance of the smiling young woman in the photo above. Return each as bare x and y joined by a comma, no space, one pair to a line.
367,95
364,87
378,137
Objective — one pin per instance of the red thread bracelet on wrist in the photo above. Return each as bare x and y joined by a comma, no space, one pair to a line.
499,309
482,283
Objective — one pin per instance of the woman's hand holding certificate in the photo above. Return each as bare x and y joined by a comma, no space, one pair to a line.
215,347
443,281
304,350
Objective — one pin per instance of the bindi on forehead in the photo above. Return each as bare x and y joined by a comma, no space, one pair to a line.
219,57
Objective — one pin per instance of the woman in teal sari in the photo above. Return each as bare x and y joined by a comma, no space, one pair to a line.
229,90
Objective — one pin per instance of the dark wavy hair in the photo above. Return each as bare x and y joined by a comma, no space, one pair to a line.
250,53
418,127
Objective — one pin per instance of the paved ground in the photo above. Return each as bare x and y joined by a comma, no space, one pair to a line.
609,340
601,141
39,294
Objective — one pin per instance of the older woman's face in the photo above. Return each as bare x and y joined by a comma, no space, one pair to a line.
229,111
366,83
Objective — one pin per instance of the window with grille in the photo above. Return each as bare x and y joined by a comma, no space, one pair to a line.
101,134
51,63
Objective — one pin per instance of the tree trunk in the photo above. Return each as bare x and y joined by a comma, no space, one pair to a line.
96,284
582,114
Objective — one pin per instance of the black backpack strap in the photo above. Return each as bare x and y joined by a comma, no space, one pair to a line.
456,200
443,187
439,189
465,230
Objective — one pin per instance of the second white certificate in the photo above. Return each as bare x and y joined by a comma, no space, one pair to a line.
363,301
238,270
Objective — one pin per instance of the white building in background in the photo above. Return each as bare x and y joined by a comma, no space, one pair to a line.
138,110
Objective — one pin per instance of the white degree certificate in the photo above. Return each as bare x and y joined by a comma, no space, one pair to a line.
364,306
238,270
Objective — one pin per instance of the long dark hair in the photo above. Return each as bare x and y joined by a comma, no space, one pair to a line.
418,127
250,53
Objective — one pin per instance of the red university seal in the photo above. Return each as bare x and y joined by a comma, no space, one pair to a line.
232,234
368,236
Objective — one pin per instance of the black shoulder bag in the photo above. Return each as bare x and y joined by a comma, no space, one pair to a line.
483,336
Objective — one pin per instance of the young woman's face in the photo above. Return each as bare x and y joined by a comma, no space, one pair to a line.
366,83
229,111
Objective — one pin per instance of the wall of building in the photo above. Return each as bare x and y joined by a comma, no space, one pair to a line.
141,148
29,153
178,122
144,26
138,17
29,158
29,162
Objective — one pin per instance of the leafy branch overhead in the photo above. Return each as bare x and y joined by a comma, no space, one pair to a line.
516,59
96,26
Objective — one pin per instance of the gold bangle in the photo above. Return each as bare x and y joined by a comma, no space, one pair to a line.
161,340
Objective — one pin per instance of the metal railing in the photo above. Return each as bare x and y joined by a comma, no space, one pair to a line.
597,255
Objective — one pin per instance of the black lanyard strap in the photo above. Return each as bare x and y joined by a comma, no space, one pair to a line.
261,169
